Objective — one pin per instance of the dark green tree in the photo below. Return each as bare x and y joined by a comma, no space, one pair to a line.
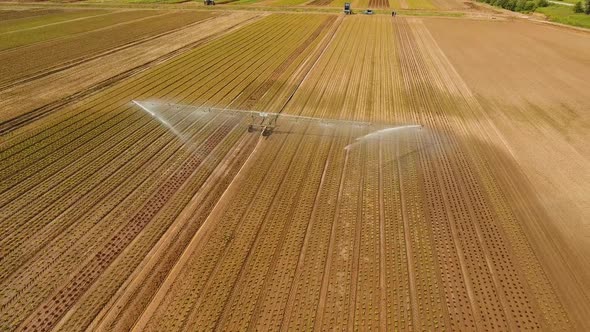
578,7
511,5
587,11
529,6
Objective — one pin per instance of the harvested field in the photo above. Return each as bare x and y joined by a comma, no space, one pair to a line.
24,62
310,172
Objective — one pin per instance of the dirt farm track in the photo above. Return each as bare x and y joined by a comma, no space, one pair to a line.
278,165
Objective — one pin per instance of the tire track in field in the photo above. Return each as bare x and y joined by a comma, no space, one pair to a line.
297,275
304,297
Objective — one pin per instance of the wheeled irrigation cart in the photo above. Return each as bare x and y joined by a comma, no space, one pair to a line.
266,124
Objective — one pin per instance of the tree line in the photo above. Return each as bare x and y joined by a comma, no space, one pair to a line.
579,8
531,5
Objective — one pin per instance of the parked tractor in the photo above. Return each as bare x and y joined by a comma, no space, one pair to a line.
347,8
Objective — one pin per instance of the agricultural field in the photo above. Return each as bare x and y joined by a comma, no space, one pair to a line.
303,170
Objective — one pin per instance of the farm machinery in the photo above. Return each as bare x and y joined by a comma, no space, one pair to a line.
347,8
209,2
264,122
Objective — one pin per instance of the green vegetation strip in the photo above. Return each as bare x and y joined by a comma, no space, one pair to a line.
565,15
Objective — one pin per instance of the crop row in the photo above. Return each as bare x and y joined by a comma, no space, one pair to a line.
260,290
496,287
16,38
217,81
93,269
44,17
183,88
396,233
183,297
112,208
27,61
165,254
180,85
7,15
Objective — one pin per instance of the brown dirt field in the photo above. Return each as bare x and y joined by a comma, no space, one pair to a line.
536,96
57,87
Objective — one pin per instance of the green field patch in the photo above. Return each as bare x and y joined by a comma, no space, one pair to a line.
565,15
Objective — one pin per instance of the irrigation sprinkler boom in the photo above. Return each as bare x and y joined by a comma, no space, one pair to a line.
266,123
